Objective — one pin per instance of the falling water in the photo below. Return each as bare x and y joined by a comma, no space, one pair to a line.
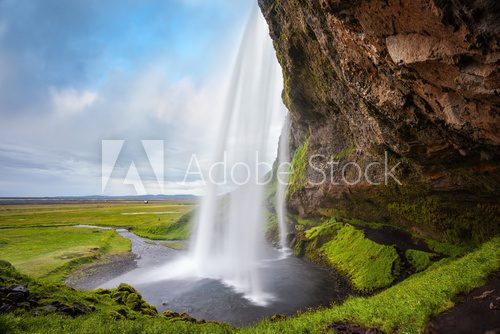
229,235
228,243
283,168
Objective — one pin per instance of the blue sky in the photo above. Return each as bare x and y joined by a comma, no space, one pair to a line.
73,73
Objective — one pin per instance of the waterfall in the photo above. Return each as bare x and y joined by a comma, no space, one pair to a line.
283,168
229,235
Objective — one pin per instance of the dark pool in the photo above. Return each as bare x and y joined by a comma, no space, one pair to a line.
295,285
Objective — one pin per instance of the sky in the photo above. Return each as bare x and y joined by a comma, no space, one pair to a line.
75,73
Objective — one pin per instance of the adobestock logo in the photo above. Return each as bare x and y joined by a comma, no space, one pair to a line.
238,173
154,151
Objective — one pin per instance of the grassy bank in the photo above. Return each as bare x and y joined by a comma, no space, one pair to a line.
407,306
51,252
402,308
120,310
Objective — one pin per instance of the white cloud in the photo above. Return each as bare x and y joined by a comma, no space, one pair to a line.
71,101
182,101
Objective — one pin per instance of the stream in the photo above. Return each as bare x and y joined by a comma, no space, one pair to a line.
296,285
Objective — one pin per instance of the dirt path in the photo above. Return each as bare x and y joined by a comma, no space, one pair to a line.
475,312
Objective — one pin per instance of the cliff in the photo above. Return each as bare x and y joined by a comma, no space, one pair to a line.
414,84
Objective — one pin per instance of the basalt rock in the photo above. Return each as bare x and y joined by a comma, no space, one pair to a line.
414,83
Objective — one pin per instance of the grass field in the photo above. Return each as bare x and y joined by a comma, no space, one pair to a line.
46,252
41,240
137,216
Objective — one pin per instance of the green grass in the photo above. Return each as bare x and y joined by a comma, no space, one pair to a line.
173,230
368,265
402,308
173,245
155,220
45,252
418,259
101,324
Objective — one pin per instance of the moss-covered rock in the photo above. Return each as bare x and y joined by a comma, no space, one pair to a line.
418,259
369,265
355,93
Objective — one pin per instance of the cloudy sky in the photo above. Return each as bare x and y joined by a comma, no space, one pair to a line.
74,73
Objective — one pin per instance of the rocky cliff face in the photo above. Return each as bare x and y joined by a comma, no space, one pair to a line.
417,80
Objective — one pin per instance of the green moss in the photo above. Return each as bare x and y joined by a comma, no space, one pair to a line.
307,221
438,214
418,259
346,152
133,301
299,167
368,265
327,229
446,248
332,212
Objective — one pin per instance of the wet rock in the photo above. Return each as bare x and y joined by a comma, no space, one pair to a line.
66,309
103,291
21,289
278,317
170,314
187,317
350,328
13,297
80,309
17,292
16,296
133,301
126,288
148,310
179,316
25,305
